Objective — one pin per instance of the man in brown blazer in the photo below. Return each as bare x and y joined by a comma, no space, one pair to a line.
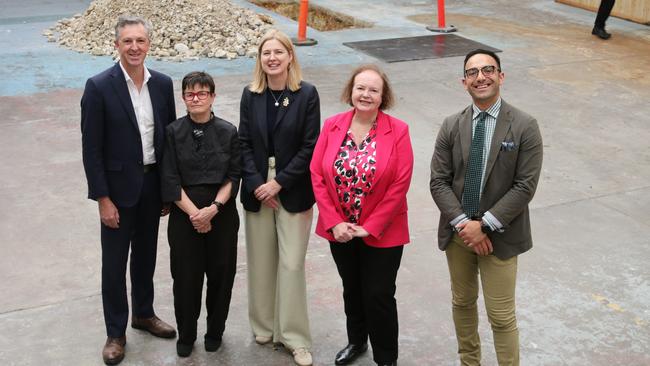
484,172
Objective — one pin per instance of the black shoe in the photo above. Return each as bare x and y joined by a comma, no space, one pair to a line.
211,344
184,350
394,363
350,353
600,33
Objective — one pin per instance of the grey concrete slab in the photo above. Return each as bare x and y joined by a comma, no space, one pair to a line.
633,203
583,289
588,284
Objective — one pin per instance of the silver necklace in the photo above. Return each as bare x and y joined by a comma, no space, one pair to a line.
277,100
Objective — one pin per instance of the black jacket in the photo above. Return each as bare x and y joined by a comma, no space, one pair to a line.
111,142
296,130
190,160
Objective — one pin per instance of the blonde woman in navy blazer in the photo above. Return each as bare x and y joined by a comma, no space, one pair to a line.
361,171
278,128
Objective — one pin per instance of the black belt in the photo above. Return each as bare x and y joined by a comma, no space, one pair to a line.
149,167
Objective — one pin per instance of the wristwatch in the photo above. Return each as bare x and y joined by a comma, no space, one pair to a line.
218,204
485,228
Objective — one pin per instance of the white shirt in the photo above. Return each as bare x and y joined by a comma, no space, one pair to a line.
143,114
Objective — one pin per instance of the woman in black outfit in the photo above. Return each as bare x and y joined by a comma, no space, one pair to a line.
200,174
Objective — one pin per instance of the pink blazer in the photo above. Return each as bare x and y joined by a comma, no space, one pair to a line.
384,210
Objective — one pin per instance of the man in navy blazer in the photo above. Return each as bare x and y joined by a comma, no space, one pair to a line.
124,111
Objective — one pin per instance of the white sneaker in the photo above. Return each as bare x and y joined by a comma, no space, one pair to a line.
262,339
302,357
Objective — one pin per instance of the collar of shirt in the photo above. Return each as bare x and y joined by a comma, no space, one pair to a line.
147,75
143,108
370,134
492,111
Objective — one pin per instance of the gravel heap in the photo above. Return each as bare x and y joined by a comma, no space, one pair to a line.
182,29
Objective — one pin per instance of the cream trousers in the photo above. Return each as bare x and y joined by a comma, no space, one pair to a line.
276,245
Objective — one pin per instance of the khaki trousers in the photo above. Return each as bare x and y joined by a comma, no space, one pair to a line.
276,245
498,279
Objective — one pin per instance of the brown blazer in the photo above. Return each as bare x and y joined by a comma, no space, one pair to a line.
511,176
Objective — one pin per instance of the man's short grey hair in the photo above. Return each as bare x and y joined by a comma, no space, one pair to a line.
125,20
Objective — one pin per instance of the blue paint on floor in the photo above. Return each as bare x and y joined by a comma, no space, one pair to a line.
31,64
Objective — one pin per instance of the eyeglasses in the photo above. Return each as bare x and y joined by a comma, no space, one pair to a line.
202,95
486,70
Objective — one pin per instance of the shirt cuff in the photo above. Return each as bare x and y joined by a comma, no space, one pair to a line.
492,222
459,219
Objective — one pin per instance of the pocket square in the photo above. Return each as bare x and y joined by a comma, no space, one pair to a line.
508,146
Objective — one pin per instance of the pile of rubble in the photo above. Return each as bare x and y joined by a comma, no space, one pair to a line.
182,29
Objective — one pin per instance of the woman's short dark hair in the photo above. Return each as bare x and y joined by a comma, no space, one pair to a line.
387,97
198,78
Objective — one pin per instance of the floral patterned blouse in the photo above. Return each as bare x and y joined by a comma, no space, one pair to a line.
354,170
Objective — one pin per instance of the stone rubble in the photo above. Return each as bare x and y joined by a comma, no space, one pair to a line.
182,29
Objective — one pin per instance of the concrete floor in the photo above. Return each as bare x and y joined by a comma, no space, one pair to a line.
583,291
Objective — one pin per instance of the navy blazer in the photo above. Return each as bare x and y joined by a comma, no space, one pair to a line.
111,142
295,133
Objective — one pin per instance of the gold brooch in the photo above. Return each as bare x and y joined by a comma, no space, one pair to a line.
285,101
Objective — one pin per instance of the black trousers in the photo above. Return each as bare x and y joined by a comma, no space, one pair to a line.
193,256
369,275
138,231
604,10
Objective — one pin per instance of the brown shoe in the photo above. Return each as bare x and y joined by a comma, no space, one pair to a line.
154,326
113,352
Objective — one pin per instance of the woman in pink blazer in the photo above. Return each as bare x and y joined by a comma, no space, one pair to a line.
361,170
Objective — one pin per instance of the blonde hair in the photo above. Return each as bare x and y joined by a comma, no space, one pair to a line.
294,75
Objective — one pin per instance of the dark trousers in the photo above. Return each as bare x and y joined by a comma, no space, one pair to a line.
138,230
604,10
369,275
193,256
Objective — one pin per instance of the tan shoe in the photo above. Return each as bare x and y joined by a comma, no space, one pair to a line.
302,357
262,339
154,326
113,352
